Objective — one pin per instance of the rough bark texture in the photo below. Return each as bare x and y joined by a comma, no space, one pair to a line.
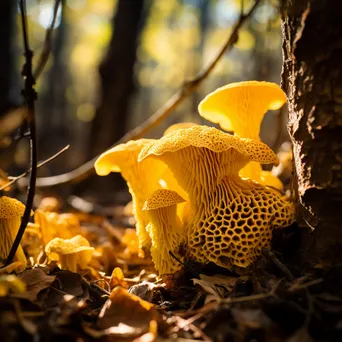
312,79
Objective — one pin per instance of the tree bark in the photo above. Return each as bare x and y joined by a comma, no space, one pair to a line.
116,71
312,79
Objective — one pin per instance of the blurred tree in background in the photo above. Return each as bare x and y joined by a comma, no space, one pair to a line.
113,63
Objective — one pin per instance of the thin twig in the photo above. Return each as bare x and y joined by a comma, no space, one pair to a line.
30,97
44,56
160,115
46,161
283,268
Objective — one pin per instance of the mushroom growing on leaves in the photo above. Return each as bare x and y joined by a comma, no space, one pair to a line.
70,254
231,219
11,211
240,107
165,228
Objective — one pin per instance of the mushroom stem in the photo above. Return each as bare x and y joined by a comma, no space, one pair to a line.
167,234
8,231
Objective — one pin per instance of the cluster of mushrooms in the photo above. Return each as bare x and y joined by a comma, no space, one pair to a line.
200,193
59,236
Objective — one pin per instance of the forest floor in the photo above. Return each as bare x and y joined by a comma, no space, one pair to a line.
276,300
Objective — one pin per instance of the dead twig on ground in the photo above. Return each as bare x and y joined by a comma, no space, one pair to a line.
283,268
30,96
160,115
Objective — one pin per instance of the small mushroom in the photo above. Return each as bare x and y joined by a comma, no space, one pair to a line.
70,254
11,211
165,229
231,219
240,107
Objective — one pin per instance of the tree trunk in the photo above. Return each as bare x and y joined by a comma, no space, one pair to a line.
312,79
116,71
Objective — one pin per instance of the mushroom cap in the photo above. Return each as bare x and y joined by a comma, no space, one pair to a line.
162,198
212,139
232,104
68,246
109,161
10,208
179,125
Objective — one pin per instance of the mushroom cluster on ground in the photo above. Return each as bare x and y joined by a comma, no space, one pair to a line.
203,191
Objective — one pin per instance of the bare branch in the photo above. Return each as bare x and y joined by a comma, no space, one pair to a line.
44,56
30,97
160,115
15,179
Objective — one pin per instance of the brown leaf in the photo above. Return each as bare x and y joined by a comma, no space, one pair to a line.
125,315
213,284
36,280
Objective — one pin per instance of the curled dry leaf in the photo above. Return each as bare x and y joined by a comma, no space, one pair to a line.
139,316
117,279
216,285
144,290
36,280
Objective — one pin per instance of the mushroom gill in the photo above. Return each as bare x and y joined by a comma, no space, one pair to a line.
165,229
240,107
231,219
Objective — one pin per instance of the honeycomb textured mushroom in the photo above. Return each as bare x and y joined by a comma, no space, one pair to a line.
231,219
240,107
11,211
177,126
70,254
165,229
142,179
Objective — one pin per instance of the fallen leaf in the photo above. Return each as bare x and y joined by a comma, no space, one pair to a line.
140,317
216,285
36,280
117,278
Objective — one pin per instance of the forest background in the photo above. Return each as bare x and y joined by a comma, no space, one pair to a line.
114,63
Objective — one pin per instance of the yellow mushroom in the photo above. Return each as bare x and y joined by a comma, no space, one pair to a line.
231,219
179,125
142,179
70,254
240,107
165,228
10,283
11,211
54,225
